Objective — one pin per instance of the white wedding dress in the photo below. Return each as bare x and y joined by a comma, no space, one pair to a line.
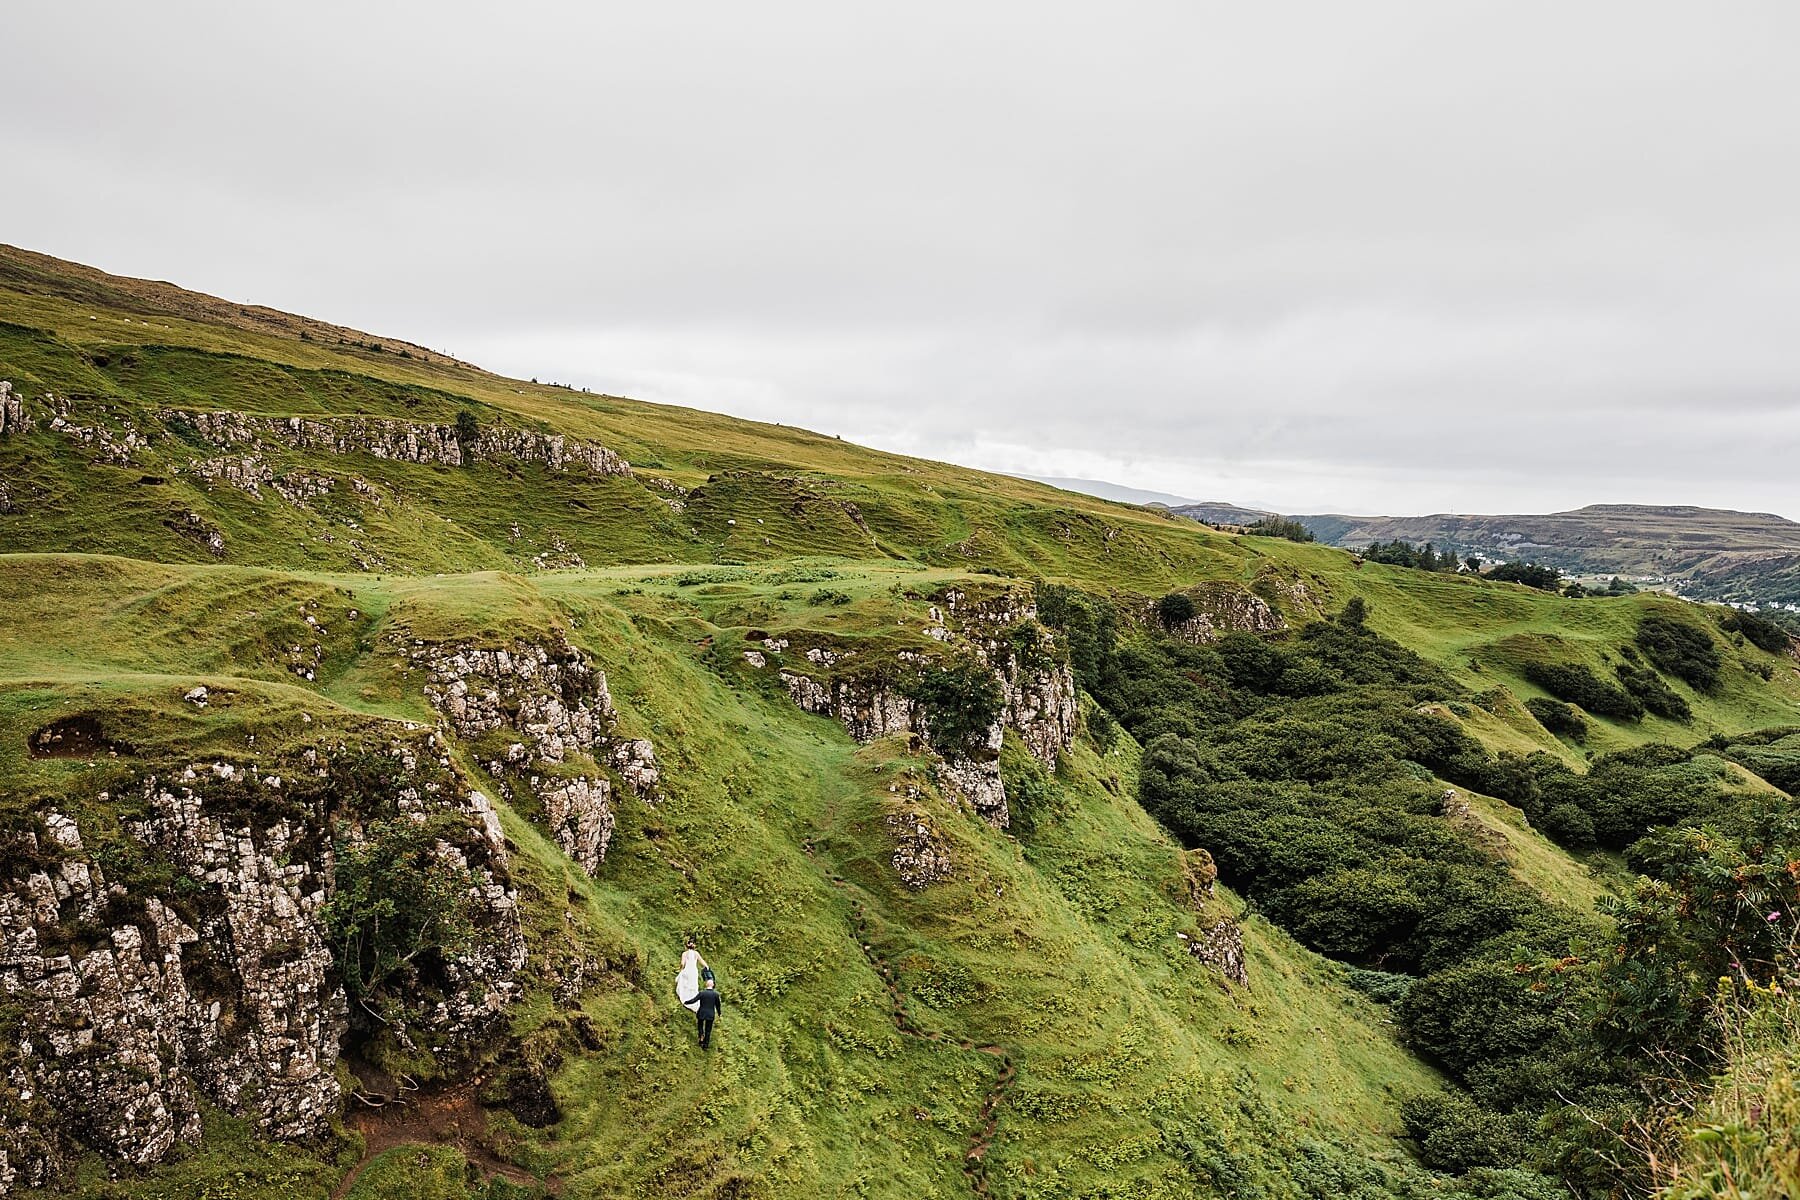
687,984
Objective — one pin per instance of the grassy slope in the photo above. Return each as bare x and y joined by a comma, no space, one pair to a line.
1061,947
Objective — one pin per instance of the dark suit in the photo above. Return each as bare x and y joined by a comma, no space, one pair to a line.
710,1002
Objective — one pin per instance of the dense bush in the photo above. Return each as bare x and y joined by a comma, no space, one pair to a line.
1176,608
1759,631
1529,574
1575,683
962,701
1312,767
400,906
1280,527
1456,1134
1772,753
1684,651
1559,718
1086,624
1649,689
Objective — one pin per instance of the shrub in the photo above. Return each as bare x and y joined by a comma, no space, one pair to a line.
399,904
962,701
1569,826
1529,574
1656,696
468,429
1683,650
1455,1134
1087,624
1176,608
1280,527
1578,685
1759,631
1559,718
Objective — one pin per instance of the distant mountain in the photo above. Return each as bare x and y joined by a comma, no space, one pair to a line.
1712,553
1219,512
1109,491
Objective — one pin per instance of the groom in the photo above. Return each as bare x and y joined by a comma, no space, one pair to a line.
708,1011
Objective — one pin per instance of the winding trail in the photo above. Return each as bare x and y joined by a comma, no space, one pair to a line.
987,1118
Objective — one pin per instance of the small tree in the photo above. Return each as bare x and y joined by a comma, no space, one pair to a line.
962,701
468,429
398,902
1176,608
1355,614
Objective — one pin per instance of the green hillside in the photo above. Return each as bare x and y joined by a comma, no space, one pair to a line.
374,730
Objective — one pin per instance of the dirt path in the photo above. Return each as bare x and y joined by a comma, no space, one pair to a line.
443,1118
987,1118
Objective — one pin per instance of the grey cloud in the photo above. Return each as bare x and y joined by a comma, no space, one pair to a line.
1379,256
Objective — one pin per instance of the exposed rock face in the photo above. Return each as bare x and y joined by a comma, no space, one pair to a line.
1041,706
867,708
921,857
580,816
13,418
977,783
557,702
106,444
197,528
403,441
1036,685
246,472
1035,679
223,990
1226,608
1221,947
549,693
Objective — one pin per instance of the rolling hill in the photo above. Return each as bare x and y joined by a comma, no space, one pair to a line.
1712,554
374,731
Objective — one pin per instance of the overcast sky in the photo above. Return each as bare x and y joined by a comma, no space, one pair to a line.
1360,257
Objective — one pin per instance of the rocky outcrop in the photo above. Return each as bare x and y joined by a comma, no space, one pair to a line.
107,445
140,1001
1219,941
1221,608
556,701
1220,946
1037,689
977,783
196,528
548,692
13,417
579,814
1036,683
246,472
867,708
921,855
402,441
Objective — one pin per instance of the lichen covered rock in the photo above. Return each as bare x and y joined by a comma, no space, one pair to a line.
556,700
220,989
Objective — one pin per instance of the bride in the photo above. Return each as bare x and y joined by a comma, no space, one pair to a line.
687,984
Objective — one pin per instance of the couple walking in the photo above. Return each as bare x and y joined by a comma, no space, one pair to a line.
694,988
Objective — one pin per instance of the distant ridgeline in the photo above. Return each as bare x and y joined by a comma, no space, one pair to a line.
375,731
1708,554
